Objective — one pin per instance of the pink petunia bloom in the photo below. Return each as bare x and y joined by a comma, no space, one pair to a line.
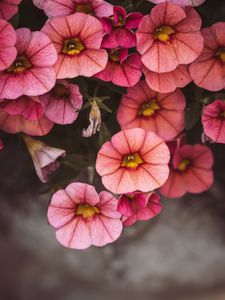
25,114
208,71
58,8
8,8
45,158
168,37
180,2
118,28
144,108
7,46
83,218
138,207
62,103
32,72
168,82
77,39
1,144
122,69
191,171
39,3
213,121
134,160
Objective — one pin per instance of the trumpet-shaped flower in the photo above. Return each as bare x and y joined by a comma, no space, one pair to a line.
8,8
213,121
32,72
168,37
180,2
191,171
77,39
134,160
82,217
144,108
138,207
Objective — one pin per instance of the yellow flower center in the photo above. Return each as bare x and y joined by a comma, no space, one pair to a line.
114,56
148,108
84,8
221,54
87,211
132,161
120,21
73,46
19,65
163,33
183,165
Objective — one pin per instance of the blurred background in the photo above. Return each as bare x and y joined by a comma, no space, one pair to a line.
179,255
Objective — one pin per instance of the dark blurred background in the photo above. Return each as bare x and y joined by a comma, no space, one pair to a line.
179,255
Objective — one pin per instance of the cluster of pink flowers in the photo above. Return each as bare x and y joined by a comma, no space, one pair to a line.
154,56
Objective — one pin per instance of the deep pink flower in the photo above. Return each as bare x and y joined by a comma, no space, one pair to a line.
1,144
169,36
138,207
180,2
118,28
62,103
191,171
77,39
168,82
58,8
45,158
208,71
133,160
25,114
122,69
213,121
83,218
32,72
144,108
7,46
8,8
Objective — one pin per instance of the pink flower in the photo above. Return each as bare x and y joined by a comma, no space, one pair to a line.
190,171
7,46
25,114
58,8
44,157
208,71
39,3
213,121
1,144
32,71
77,39
144,108
168,82
83,218
8,8
62,103
138,207
168,37
122,69
180,2
119,28
133,160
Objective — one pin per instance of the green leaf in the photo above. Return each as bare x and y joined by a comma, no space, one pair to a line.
192,115
104,107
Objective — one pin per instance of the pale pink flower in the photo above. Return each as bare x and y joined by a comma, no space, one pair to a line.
169,36
133,160
58,8
44,157
7,46
191,171
213,121
122,69
32,72
77,39
160,113
83,218
8,8
180,2
138,207
39,3
62,103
